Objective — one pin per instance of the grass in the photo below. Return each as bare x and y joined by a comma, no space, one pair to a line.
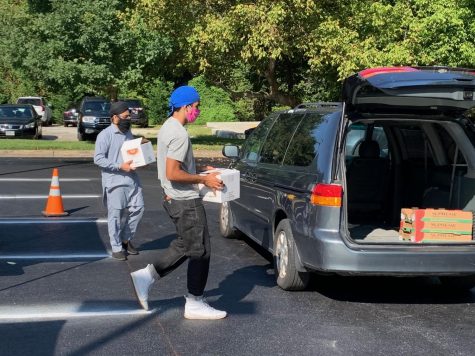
20,144
201,138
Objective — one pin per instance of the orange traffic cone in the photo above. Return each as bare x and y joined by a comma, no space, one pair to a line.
54,205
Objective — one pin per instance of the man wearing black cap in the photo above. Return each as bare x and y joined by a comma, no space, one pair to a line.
121,186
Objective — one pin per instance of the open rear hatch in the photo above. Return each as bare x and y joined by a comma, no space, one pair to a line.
380,98
431,91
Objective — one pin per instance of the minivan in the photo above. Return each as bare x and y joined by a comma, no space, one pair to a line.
323,185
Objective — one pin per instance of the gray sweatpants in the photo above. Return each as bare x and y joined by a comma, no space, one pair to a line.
124,212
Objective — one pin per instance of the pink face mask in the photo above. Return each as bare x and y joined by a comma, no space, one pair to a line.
192,115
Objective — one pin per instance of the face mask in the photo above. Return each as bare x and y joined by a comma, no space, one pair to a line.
192,115
124,125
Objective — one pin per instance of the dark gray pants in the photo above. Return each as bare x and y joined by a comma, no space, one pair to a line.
192,243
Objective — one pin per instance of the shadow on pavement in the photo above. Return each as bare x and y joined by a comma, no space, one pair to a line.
391,290
237,285
17,269
231,291
61,163
50,137
37,338
72,211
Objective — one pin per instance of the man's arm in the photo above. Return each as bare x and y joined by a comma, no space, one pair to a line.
100,157
174,173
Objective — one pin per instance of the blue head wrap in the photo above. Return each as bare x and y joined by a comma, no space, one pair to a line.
182,96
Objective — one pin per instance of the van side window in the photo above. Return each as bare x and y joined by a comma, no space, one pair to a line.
274,148
305,142
251,147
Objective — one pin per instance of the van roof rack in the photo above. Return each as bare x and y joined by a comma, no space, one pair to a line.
328,105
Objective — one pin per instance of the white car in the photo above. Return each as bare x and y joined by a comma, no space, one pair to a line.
41,107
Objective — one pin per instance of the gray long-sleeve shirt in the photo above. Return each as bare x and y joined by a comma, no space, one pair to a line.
107,156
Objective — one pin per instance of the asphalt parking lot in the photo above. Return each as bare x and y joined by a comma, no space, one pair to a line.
62,294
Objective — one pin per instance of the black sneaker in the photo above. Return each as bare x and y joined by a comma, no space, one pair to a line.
131,250
119,255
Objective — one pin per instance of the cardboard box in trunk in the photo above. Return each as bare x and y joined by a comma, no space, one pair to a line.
428,225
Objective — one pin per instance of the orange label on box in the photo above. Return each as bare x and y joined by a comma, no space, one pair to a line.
133,151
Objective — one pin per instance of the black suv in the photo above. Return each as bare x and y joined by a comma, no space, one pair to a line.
93,117
323,185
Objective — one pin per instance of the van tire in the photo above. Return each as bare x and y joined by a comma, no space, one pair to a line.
226,222
458,282
285,254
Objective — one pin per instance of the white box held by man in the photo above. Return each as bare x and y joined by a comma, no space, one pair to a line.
231,190
139,150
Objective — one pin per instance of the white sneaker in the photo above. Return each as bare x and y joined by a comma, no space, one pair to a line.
143,280
198,308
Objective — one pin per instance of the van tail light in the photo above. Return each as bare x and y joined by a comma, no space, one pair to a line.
327,195
43,107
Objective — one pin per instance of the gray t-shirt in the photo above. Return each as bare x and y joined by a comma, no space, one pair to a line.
173,142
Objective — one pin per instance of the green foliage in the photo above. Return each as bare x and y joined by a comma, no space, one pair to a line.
59,103
246,56
157,101
215,105
244,109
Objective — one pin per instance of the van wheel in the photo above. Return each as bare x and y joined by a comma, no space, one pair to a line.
288,277
81,137
226,222
460,283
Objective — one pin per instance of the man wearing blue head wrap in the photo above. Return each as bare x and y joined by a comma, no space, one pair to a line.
177,174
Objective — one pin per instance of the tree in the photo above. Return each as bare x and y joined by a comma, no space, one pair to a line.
286,51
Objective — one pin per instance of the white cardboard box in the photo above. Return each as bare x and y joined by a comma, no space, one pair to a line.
140,153
231,190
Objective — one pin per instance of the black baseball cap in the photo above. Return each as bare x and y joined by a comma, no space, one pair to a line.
118,107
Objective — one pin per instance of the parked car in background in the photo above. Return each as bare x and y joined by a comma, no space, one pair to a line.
323,189
137,112
19,121
93,117
70,117
41,106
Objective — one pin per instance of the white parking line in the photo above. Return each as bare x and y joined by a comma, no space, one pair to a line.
60,220
47,179
54,257
65,311
34,196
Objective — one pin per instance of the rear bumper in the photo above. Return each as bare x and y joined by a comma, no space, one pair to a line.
17,133
140,120
70,121
327,252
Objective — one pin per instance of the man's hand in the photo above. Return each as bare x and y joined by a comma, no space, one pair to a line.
127,166
211,181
